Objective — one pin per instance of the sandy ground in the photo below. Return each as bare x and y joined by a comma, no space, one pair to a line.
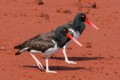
99,59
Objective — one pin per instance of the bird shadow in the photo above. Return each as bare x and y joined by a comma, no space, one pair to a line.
65,68
79,58
58,68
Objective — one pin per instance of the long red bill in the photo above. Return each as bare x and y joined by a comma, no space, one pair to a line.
90,23
72,38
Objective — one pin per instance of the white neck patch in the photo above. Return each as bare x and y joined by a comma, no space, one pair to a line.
75,33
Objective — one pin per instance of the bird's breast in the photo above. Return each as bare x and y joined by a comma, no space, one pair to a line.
75,33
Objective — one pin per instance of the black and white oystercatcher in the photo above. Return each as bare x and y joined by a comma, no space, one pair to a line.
76,26
46,44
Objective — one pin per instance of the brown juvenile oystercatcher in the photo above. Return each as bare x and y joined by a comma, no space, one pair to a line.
46,44
76,27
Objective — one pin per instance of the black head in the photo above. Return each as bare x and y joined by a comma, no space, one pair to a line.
60,36
81,17
61,31
78,23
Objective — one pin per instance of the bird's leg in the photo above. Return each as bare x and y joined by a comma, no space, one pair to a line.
47,67
40,66
66,58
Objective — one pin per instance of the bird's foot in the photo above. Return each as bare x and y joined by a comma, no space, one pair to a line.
48,71
70,62
40,66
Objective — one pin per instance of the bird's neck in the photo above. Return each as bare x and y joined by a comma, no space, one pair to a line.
79,27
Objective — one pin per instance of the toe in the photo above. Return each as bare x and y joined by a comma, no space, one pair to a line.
71,62
48,71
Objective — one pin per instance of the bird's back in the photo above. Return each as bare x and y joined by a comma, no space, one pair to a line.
39,38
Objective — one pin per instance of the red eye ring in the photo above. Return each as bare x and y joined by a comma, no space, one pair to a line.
83,16
64,30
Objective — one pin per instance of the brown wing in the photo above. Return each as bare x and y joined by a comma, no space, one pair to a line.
40,37
41,45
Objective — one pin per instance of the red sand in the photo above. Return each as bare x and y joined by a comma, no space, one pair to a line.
23,19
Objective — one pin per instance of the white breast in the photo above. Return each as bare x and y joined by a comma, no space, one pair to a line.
75,34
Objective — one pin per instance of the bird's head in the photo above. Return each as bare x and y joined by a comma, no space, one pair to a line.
62,32
81,17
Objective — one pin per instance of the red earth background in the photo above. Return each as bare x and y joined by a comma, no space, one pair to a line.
99,59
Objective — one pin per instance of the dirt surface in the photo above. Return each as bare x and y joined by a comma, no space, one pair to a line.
99,59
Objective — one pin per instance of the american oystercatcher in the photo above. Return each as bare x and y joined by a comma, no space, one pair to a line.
76,26
46,44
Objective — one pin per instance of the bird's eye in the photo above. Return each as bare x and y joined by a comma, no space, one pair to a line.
83,16
64,30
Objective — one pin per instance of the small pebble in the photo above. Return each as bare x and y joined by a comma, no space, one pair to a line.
88,45
2,48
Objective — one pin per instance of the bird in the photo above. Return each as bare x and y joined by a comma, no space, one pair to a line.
76,27
46,44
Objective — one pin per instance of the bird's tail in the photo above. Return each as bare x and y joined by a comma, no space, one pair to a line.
20,51
17,53
21,46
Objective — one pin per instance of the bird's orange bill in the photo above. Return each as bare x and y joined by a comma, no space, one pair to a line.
90,23
72,38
